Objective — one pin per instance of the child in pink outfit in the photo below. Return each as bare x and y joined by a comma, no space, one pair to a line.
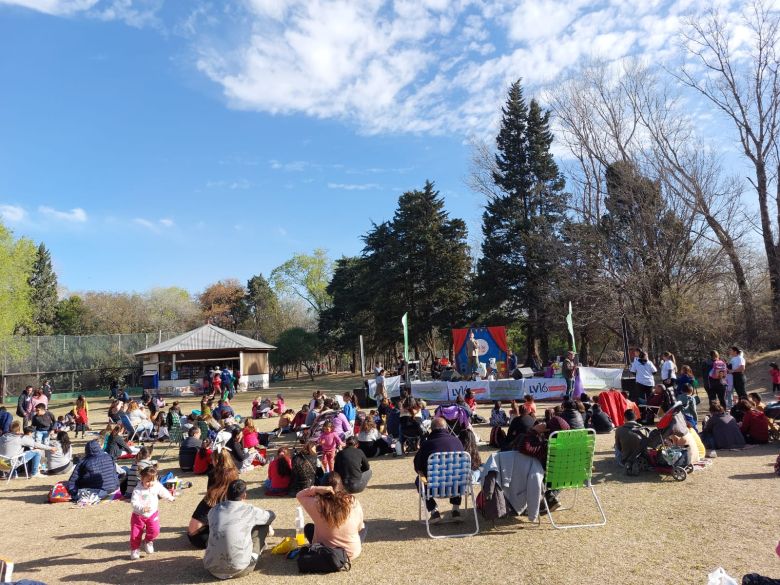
280,407
330,443
146,502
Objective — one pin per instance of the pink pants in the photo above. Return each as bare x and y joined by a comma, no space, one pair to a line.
138,524
328,458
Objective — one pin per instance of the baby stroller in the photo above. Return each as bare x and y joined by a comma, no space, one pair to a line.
457,417
313,433
658,453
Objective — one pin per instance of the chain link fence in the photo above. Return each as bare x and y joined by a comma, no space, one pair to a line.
77,363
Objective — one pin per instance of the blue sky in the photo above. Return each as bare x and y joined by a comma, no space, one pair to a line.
156,143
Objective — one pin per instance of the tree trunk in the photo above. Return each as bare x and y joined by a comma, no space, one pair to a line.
771,249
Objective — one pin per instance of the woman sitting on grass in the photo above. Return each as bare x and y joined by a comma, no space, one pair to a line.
279,474
224,472
336,514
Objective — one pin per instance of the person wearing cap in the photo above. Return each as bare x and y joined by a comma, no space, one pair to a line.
237,533
569,371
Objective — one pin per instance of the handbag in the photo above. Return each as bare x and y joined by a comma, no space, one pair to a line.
322,559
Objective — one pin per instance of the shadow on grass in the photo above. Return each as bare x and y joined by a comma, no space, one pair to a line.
751,476
152,570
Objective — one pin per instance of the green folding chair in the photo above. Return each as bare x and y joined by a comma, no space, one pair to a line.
570,467
175,434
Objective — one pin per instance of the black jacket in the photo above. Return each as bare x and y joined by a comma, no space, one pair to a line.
187,451
439,441
350,464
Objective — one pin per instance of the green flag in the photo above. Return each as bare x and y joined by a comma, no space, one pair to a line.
570,324
405,322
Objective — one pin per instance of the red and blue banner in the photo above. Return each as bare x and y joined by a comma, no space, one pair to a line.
492,344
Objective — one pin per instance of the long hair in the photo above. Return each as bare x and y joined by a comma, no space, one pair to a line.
336,507
64,441
283,462
224,473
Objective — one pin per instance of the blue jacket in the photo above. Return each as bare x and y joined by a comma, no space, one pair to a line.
5,421
96,471
349,411
439,441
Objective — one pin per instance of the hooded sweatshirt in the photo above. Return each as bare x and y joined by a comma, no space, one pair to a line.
96,471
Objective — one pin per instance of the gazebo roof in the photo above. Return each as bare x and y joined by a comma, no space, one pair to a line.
205,338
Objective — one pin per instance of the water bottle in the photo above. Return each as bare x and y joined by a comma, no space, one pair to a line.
299,536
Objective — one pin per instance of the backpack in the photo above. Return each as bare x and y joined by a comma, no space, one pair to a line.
718,370
58,493
322,559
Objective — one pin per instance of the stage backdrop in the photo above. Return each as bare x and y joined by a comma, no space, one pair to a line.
492,344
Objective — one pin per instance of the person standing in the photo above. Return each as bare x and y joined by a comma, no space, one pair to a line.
644,370
717,380
145,519
237,533
511,362
472,351
24,406
668,369
737,366
569,372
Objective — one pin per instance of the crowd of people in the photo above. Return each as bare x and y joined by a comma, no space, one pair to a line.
328,463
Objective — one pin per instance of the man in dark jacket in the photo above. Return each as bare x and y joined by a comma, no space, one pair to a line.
189,448
96,471
572,416
627,439
439,441
600,421
24,405
351,464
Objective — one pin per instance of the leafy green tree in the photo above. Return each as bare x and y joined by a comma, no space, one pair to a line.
171,309
295,347
262,308
70,315
43,285
522,223
306,277
17,257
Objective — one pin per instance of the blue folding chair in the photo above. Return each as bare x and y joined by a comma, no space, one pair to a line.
449,476
129,428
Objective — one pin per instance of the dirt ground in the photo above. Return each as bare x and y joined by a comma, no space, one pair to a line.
658,531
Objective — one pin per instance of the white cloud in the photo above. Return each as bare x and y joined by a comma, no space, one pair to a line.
12,213
133,12
431,66
233,185
353,186
154,225
75,215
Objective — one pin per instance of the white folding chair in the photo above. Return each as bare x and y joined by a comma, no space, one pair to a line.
6,571
449,476
10,466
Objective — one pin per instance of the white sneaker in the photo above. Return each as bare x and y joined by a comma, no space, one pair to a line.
149,547
135,554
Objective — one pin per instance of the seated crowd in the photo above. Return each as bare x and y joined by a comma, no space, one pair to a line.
329,462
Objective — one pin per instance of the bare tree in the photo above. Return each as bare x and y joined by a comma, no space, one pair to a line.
744,84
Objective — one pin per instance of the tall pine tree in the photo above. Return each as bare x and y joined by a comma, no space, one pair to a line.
520,264
43,293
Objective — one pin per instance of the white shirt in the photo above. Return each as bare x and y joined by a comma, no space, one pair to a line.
736,362
668,370
146,501
644,372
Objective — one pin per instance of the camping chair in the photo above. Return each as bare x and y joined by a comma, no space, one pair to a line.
205,430
175,434
449,476
129,428
6,571
10,466
570,466
456,416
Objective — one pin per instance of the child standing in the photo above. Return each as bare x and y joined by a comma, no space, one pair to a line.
774,371
145,518
330,443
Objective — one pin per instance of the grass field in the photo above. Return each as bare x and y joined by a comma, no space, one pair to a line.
658,531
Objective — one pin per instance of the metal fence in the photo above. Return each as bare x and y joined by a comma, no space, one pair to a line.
76,362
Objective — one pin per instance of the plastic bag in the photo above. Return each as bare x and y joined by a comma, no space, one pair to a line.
720,577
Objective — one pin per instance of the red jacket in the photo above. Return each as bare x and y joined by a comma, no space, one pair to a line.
755,425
